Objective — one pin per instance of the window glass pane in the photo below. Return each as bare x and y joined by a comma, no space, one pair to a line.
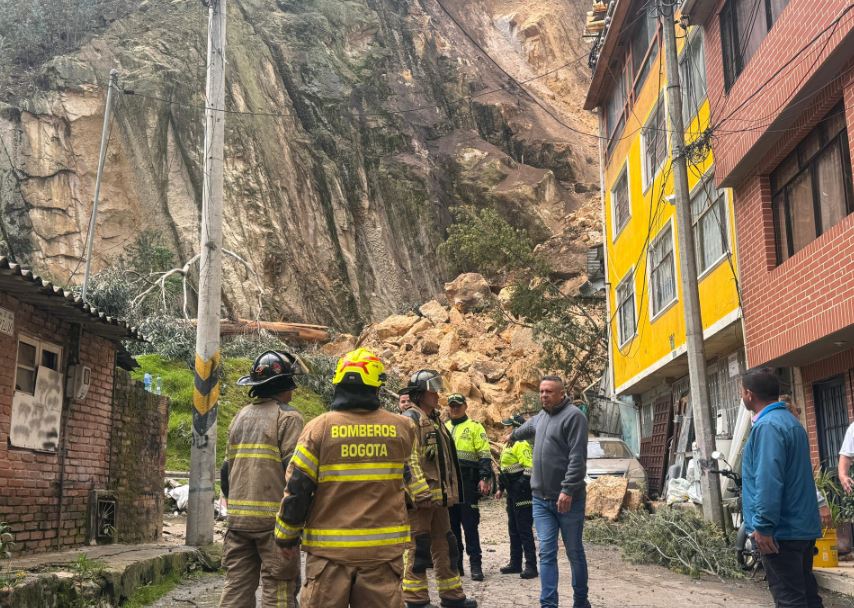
779,209
728,45
712,231
655,143
831,187
777,7
50,359
692,71
799,194
26,354
751,28
809,147
663,278
784,172
620,197
626,309
616,103
835,121
25,381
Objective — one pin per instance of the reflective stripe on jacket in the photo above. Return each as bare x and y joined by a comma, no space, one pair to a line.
261,439
346,487
438,458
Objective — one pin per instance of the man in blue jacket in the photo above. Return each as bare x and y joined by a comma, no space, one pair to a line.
779,500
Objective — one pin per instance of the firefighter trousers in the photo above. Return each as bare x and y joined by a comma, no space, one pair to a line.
432,539
520,527
465,520
250,556
329,584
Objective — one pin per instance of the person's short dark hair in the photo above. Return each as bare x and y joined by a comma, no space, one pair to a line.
557,379
762,382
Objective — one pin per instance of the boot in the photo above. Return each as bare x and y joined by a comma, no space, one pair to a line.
511,568
530,571
411,605
476,572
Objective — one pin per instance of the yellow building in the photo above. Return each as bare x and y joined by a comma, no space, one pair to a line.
644,287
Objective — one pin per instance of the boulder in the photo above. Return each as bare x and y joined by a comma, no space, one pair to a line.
341,345
462,360
456,317
469,292
450,344
460,383
505,294
491,370
394,326
429,347
605,496
420,326
522,342
435,312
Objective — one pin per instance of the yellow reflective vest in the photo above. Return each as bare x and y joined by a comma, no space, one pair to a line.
471,442
517,458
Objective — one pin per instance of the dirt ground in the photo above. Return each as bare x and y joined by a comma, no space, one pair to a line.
614,583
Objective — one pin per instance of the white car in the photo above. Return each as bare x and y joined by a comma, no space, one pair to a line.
611,456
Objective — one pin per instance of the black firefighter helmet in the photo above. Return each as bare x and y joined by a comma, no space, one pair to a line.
268,366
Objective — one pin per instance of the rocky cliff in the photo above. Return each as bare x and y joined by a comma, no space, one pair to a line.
355,126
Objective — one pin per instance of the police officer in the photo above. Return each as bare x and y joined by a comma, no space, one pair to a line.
261,441
514,479
475,460
345,498
432,539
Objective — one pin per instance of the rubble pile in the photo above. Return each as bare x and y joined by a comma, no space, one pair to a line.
493,367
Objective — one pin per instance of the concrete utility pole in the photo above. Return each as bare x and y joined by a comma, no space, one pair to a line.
105,131
200,516
712,509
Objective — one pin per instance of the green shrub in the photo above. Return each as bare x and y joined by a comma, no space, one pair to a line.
480,240
678,539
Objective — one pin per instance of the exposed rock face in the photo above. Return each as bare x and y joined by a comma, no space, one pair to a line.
358,124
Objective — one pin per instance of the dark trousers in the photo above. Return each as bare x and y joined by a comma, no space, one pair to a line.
467,517
520,526
790,576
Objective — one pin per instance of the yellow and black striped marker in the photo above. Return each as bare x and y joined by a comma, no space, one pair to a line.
206,392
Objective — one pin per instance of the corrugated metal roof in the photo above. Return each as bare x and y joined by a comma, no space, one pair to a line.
28,287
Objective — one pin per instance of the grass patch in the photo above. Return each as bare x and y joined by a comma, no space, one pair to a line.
177,379
150,593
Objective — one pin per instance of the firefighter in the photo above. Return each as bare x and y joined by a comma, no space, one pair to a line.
345,497
475,460
514,479
433,544
261,441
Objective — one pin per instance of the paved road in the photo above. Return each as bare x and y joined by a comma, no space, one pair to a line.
613,582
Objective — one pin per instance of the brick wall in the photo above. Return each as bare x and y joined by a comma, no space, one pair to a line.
841,363
745,116
811,294
138,459
29,480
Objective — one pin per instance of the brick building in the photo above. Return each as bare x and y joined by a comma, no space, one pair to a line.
82,448
781,86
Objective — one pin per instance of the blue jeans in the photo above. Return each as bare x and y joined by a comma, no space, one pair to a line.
570,525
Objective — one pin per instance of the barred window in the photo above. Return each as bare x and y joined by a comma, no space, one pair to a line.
709,218
654,143
626,320
620,202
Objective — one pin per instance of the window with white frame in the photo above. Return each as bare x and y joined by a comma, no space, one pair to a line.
692,75
662,274
620,204
654,143
709,218
33,353
626,320
37,400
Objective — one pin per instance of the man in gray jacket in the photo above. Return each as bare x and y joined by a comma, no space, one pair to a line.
559,492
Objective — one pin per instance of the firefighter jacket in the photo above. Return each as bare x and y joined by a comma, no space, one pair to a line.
515,472
344,498
261,441
438,458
